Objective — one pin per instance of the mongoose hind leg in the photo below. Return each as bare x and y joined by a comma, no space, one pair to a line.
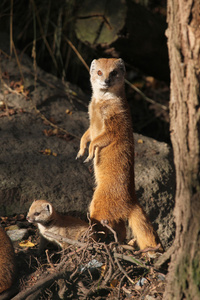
120,229
105,226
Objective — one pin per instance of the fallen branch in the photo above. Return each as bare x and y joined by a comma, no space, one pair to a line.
43,283
131,248
59,238
135,261
147,249
144,96
121,269
120,285
165,256
131,259
39,113
78,260
52,124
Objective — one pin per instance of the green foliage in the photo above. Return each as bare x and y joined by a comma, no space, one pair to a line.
100,21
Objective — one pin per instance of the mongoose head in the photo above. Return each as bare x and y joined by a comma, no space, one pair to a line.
40,212
107,74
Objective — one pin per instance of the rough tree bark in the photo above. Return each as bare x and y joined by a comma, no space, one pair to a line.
184,54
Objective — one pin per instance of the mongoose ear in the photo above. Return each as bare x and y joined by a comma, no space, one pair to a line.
92,66
48,207
121,64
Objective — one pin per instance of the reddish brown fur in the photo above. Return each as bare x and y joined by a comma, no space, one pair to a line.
7,261
112,147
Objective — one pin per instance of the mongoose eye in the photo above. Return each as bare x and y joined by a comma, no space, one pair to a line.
36,214
99,73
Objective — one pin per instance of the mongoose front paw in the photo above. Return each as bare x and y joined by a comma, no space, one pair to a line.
88,159
91,153
79,154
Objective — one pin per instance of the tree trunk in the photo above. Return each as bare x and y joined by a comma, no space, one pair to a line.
184,54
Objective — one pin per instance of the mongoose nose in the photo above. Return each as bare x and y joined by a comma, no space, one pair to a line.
107,81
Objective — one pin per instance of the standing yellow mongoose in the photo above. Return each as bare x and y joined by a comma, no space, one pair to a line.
7,262
112,147
47,218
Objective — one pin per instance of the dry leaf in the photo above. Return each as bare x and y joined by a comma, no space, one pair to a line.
140,141
103,270
66,137
26,244
17,86
48,152
73,93
20,217
151,82
50,132
2,105
139,84
55,131
4,219
114,283
69,112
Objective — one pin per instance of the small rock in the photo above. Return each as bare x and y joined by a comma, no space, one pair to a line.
161,277
93,264
140,283
149,297
17,235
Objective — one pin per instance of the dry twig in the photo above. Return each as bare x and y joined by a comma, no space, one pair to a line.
105,223
145,97
77,263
